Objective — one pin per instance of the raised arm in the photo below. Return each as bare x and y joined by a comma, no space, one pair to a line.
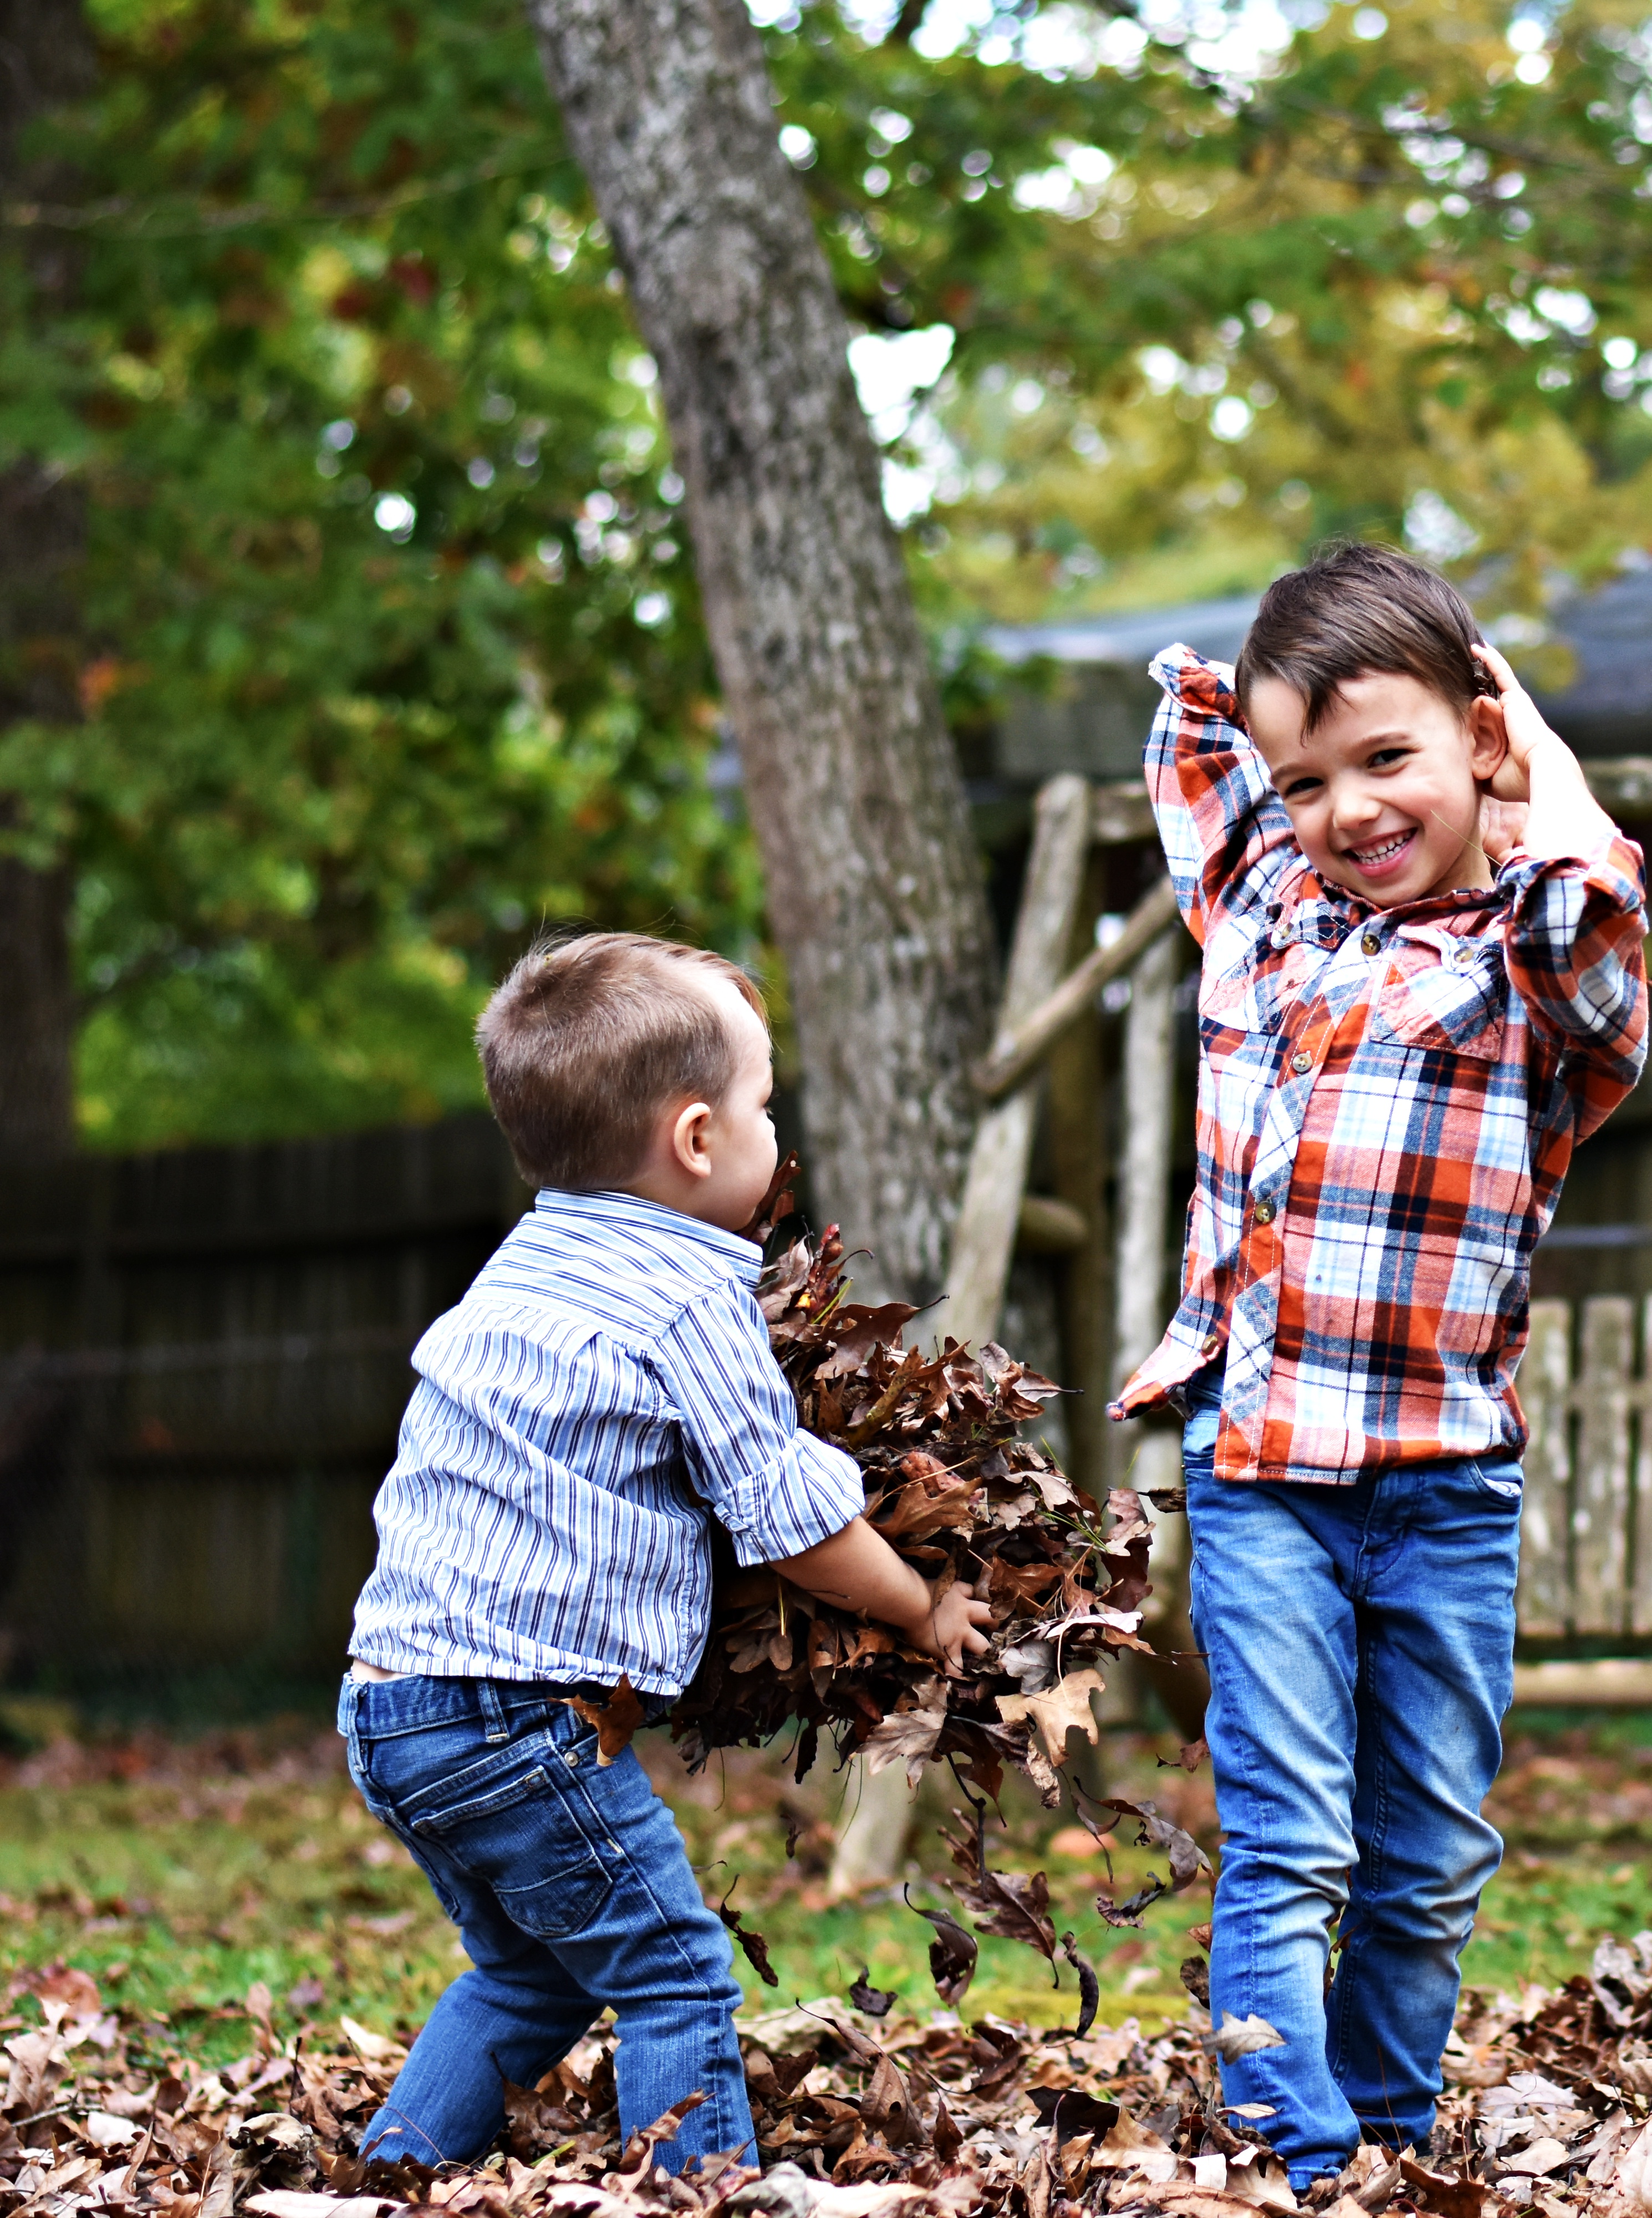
1575,942
1217,813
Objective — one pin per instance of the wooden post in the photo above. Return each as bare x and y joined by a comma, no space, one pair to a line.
985,1235
1080,1142
1144,1184
872,1844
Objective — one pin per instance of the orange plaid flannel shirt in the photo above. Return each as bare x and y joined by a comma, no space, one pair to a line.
1388,1099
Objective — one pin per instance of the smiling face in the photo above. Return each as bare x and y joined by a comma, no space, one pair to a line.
1382,794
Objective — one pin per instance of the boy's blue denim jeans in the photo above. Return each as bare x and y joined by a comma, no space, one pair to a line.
570,1886
1360,1641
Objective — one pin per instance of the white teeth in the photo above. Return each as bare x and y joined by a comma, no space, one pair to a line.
1380,854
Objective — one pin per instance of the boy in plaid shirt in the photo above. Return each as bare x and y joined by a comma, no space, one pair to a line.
1423,984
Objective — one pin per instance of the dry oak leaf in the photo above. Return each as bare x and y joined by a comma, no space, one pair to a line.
1241,2036
953,1955
615,1720
908,1737
1058,1711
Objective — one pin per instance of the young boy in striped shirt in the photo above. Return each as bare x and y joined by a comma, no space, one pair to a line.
604,1389
1422,985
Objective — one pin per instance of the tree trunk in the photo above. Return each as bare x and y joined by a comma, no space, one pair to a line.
46,59
874,888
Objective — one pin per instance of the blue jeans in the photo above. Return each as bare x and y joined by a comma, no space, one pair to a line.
1360,1640
572,1888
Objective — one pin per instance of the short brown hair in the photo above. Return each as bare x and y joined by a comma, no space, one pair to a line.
1356,611
590,1037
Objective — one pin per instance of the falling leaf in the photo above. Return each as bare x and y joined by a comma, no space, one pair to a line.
1010,1904
615,1720
908,1737
1189,1757
1089,1988
1241,2036
953,1953
1187,1858
1196,1978
756,1947
875,2001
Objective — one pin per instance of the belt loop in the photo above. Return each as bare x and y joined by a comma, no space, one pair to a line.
494,1717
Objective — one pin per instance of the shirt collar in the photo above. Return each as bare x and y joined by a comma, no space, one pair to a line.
621,1210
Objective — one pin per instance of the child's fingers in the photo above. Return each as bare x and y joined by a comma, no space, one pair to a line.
1499,665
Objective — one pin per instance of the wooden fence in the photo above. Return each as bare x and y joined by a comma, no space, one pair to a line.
203,1364
1585,1532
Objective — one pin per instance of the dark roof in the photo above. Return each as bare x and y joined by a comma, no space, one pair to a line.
1606,711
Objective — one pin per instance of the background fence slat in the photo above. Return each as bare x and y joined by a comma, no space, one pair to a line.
1600,1504
1545,1595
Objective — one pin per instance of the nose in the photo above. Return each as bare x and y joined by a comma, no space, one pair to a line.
1354,806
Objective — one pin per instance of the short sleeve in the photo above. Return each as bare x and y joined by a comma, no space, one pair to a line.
777,1489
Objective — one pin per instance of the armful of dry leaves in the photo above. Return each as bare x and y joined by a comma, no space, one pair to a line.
957,1492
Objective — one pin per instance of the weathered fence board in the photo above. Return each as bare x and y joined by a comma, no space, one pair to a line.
204,1364
1586,1531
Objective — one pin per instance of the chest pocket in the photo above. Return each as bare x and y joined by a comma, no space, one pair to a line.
1253,995
1450,994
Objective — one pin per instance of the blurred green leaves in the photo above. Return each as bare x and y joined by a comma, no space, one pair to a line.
391,647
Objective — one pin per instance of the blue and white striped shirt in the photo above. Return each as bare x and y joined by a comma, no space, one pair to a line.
606,1378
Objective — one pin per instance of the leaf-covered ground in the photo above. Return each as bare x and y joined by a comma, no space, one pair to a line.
174,1917
179,1875
212,1960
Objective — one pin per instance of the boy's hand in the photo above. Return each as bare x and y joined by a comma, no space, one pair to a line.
1523,727
858,1569
1538,798
951,1626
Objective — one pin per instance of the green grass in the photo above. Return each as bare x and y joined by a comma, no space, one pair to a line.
177,1891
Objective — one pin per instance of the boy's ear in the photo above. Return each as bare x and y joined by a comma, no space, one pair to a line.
689,1138
1488,737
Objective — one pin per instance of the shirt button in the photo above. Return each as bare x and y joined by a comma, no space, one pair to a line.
1301,1061
1264,1212
1211,1342
1370,944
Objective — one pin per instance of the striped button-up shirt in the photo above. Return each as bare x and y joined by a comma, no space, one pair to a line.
604,1386
1388,1099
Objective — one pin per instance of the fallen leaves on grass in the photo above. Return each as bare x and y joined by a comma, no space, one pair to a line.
923,2119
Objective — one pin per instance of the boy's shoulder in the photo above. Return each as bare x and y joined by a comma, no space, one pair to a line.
609,1265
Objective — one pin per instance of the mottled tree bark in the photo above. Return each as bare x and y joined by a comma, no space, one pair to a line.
874,888
46,57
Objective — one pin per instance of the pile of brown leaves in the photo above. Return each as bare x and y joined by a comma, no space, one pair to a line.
958,1490
857,2117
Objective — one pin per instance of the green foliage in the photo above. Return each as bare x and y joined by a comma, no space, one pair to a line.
392,644
1211,306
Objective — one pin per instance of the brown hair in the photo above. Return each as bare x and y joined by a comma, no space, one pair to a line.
1354,610
590,1037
